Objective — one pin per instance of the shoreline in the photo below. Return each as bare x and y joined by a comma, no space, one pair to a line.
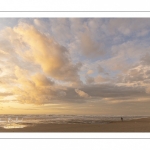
134,125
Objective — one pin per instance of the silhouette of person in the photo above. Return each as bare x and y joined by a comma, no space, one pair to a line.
121,119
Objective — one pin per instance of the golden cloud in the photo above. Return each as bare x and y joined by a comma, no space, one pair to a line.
82,94
52,57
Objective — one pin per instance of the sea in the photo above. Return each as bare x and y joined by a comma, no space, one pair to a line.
21,121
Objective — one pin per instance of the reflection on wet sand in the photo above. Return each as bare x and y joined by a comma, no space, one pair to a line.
14,125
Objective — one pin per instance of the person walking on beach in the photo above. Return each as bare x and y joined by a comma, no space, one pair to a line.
121,119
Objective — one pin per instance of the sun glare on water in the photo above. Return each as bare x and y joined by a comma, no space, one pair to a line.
12,126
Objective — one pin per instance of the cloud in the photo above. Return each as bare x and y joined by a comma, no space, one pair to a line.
35,89
100,79
39,89
82,94
146,59
148,90
42,80
89,47
60,28
41,63
37,22
89,80
127,26
4,94
138,74
90,72
115,92
52,57
100,69
35,66
97,79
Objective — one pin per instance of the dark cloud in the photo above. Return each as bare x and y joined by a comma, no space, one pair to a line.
114,92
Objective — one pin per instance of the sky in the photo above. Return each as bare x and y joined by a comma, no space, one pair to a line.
81,66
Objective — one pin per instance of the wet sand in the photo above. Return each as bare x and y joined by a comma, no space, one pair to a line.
138,125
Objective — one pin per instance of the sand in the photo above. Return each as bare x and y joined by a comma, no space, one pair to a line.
138,125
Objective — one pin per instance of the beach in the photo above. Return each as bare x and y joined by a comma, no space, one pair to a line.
136,125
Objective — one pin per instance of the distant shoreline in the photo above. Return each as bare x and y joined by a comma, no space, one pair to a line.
135,125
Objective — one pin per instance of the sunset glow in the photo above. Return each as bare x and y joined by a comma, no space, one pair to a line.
85,66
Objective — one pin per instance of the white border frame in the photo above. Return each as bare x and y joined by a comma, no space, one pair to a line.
73,14
78,135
